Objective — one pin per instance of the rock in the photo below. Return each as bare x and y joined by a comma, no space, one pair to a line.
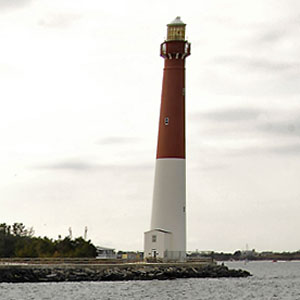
47,273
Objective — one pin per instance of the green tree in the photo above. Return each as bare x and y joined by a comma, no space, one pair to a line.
18,241
26,247
84,248
45,247
4,229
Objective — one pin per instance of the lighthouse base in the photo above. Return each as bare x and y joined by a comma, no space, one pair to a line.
157,245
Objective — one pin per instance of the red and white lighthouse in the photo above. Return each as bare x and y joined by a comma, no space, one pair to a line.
167,236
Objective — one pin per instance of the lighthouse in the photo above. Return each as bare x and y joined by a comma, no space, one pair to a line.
166,238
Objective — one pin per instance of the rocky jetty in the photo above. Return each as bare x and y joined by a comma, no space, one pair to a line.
59,273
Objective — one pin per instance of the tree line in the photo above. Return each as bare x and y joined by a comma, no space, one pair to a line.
18,241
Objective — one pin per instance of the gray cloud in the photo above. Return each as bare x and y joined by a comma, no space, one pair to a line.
12,4
272,36
269,122
75,165
79,165
229,115
117,140
273,131
286,28
291,127
211,167
265,47
293,149
259,64
287,149
284,149
59,20
273,66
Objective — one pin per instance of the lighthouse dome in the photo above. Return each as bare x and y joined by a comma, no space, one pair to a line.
177,21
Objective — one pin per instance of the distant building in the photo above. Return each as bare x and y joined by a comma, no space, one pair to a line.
105,253
130,255
248,254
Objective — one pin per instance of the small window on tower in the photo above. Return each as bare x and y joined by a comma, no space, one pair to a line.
166,120
153,238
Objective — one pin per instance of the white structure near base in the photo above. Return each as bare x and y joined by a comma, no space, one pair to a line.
156,243
167,237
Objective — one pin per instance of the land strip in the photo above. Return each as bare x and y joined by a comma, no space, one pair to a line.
113,272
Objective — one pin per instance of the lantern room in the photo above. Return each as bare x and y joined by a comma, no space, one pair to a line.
176,30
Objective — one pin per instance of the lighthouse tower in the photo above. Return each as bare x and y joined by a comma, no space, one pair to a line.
167,236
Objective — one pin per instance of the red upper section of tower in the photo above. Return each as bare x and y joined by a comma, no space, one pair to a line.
171,135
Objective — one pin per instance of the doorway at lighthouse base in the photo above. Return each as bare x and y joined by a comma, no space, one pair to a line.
158,245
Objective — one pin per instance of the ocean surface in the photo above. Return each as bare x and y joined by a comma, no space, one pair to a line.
270,280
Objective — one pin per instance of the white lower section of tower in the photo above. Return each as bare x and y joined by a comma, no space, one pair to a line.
167,237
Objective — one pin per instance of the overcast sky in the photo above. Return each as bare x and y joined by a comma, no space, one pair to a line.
80,87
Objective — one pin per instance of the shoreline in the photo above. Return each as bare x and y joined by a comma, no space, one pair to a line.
114,272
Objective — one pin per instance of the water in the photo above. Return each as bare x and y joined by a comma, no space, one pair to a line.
271,281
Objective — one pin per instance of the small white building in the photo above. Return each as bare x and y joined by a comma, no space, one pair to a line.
157,241
158,245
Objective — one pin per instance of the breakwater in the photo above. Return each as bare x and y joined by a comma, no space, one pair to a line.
121,272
